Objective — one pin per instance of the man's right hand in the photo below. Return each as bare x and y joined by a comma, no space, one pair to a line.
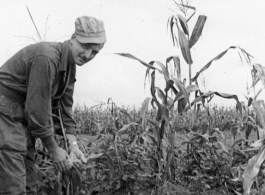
58,155
59,158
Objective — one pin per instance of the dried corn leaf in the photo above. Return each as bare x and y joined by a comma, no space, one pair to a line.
197,31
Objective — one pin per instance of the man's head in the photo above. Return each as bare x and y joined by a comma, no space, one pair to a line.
88,39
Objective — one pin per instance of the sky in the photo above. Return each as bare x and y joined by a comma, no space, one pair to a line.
140,28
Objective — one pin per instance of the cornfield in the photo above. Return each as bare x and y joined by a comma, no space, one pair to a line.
174,144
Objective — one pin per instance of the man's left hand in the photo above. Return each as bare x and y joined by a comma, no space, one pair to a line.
79,155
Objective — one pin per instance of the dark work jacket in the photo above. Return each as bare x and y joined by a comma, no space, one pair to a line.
38,77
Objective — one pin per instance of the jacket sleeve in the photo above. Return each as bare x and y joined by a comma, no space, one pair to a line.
38,107
66,103
67,109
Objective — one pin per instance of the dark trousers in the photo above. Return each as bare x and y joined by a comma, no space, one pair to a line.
18,174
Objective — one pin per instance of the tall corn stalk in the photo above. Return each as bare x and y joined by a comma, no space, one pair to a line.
180,31
167,120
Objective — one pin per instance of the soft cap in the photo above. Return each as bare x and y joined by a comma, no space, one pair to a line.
90,30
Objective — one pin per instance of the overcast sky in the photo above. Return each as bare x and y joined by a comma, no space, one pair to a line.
140,28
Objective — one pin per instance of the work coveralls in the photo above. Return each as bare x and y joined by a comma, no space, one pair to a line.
34,80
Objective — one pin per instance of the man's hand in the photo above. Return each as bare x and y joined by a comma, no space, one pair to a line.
73,148
58,155
79,155
59,159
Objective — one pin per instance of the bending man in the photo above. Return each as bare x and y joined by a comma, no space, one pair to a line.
35,80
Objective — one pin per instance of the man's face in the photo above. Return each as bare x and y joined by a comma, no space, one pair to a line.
84,52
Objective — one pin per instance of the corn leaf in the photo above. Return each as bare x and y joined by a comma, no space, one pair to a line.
170,85
176,61
184,46
154,99
180,95
183,24
220,133
261,73
246,55
144,110
153,122
122,110
258,94
260,112
164,69
255,78
135,58
153,91
224,147
223,95
214,59
252,170
170,25
197,31
182,89
128,125
161,95
170,156
258,143
149,66
192,88
183,42
261,133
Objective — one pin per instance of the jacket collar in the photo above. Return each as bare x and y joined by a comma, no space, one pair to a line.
65,54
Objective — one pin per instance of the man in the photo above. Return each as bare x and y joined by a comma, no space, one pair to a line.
33,84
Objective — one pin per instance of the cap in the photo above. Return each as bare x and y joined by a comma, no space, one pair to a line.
90,30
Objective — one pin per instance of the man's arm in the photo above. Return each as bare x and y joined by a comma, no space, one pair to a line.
69,122
38,112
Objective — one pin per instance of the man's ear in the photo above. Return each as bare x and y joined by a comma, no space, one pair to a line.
72,38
